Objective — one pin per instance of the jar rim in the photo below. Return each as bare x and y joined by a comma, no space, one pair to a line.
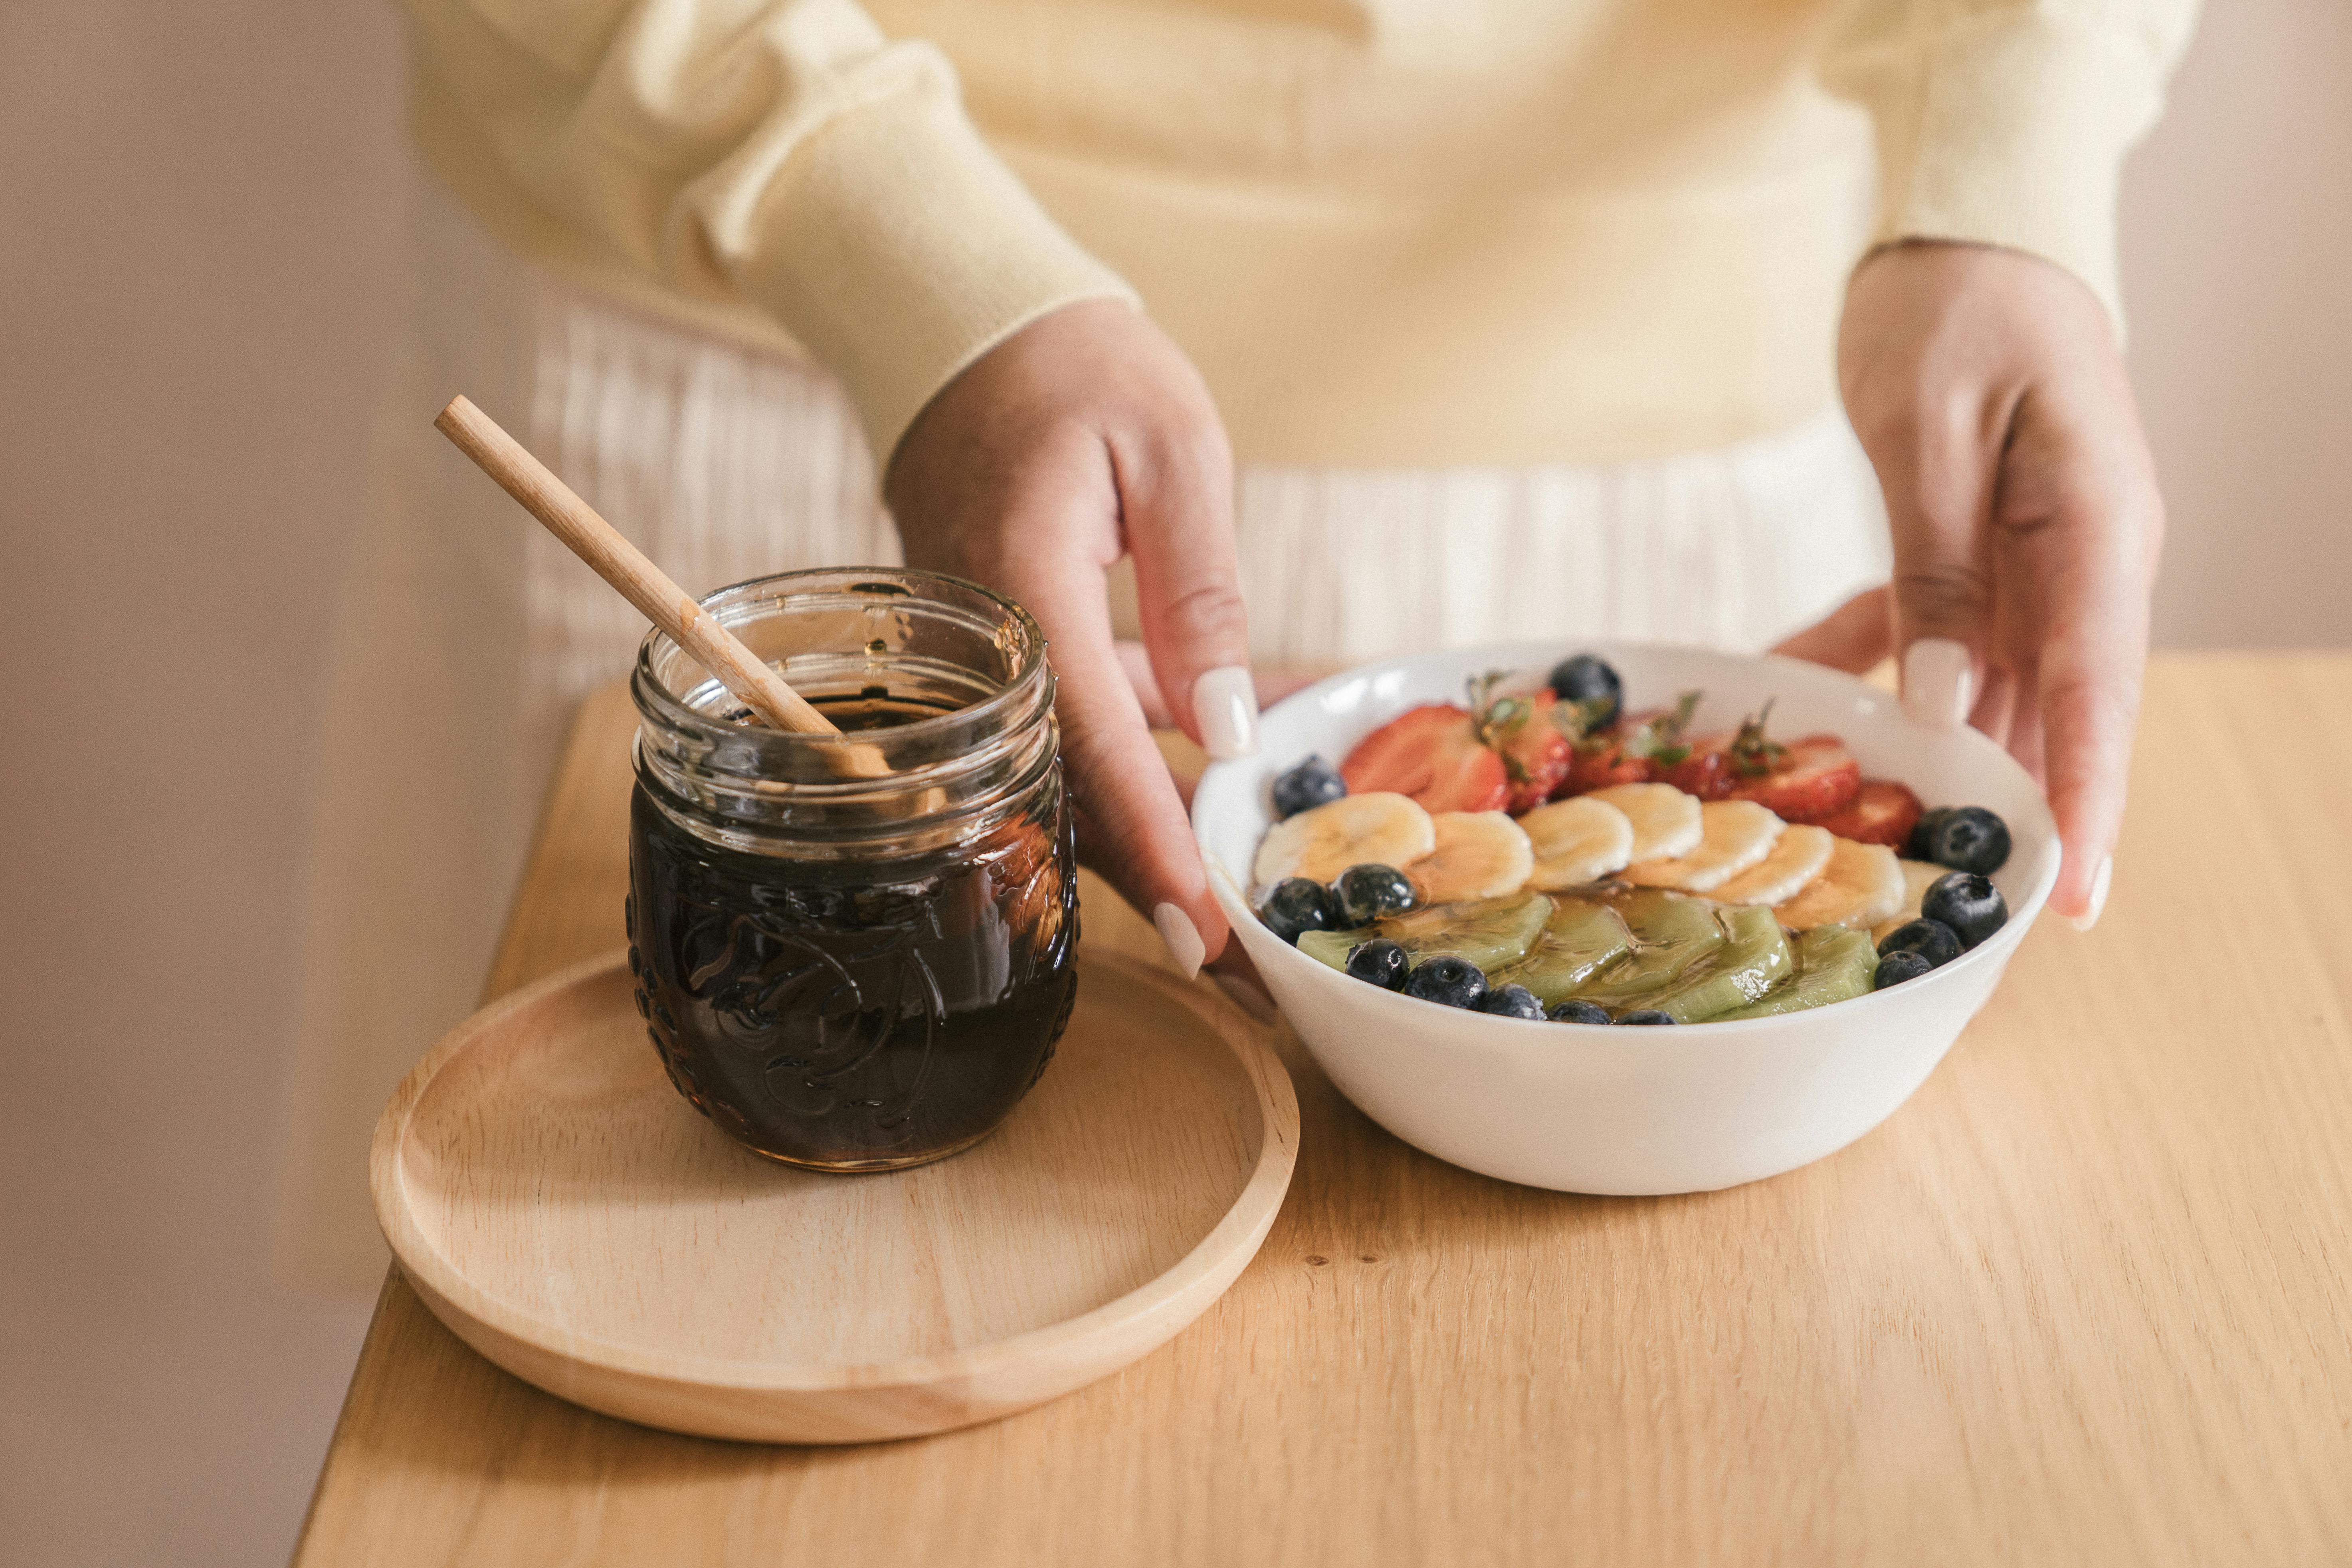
652,692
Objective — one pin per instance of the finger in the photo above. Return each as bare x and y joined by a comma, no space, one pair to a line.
1996,704
1273,685
1852,638
1131,820
1935,460
1176,503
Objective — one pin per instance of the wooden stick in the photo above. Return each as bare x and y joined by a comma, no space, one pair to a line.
624,566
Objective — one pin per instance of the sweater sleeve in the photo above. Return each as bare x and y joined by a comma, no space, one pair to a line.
2006,121
777,152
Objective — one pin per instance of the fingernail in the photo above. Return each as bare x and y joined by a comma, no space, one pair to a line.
1184,939
1225,704
1938,682
1248,994
2099,880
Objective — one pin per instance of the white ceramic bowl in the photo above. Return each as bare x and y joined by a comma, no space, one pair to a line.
1589,1108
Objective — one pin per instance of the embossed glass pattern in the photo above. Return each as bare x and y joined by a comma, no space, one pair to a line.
842,969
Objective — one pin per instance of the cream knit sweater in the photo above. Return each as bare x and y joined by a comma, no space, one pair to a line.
1389,232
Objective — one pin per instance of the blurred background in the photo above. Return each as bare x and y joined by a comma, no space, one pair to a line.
201,218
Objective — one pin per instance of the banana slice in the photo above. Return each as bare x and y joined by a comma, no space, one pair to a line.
1576,841
1667,822
1917,877
1861,886
1797,858
1734,836
1377,828
1478,855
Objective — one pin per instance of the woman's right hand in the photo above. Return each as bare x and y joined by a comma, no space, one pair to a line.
1084,436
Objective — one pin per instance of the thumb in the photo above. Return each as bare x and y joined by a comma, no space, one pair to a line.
1176,500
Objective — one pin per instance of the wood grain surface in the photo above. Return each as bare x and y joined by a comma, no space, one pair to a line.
2086,1299
561,1208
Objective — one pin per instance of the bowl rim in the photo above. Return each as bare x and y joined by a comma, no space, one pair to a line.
1234,901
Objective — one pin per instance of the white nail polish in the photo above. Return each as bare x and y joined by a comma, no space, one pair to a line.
2099,880
1224,705
1938,682
1183,939
1248,994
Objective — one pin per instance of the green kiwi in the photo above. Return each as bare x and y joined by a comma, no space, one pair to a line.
1834,963
1672,933
1489,932
1583,937
1753,959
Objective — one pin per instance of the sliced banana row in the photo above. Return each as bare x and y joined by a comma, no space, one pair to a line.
1653,835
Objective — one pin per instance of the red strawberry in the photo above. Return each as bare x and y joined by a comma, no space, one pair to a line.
1706,770
1805,781
1602,761
1883,812
1535,749
1433,755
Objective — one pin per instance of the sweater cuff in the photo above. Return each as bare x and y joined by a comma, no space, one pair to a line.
2012,133
898,296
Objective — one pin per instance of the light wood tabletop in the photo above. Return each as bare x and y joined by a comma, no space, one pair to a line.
2086,1300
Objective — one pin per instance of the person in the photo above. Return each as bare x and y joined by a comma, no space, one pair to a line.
1224,335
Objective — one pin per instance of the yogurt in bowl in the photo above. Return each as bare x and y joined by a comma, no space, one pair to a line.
1583,1108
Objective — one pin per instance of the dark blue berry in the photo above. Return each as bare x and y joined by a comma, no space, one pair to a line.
1919,847
1965,838
1968,903
1931,939
1897,967
1379,962
1580,1013
1312,783
1363,894
1451,982
1295,907
1512,1001
1587,679
1645,1016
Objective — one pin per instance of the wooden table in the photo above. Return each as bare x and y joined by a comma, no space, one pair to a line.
2086,1299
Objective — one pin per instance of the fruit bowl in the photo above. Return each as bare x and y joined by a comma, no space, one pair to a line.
1586,1109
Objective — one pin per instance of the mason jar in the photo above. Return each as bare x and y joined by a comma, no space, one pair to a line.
854,952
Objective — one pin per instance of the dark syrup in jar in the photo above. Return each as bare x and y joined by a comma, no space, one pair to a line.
862,1015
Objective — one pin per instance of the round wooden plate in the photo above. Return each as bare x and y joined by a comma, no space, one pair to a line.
557,1203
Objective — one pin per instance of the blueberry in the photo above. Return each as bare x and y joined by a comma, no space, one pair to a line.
1897,967
1965,838
1364,893
1968,903
1379,962
1923,834
1312,783
1295,907
1645,1016
1453,982
1580,1012
1586,678
1931,939
1512,1001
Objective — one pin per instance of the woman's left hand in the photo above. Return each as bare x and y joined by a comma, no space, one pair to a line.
1987,387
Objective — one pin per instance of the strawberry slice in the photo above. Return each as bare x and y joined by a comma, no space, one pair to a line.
1433,755
1706,772
1805,781
1535,749
1601,761
1883,812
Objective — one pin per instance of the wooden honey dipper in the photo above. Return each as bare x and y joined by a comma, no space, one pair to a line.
612,557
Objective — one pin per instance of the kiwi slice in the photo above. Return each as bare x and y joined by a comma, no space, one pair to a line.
1834,963
1489,932
1672,933
1753,959
1583,937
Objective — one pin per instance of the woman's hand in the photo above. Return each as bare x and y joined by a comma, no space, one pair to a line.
1084,436
1987,388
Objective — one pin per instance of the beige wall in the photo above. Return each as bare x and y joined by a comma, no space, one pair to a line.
199,211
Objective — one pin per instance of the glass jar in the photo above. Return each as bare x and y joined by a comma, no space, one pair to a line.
844,966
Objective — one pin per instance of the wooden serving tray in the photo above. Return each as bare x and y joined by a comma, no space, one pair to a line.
557,1203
